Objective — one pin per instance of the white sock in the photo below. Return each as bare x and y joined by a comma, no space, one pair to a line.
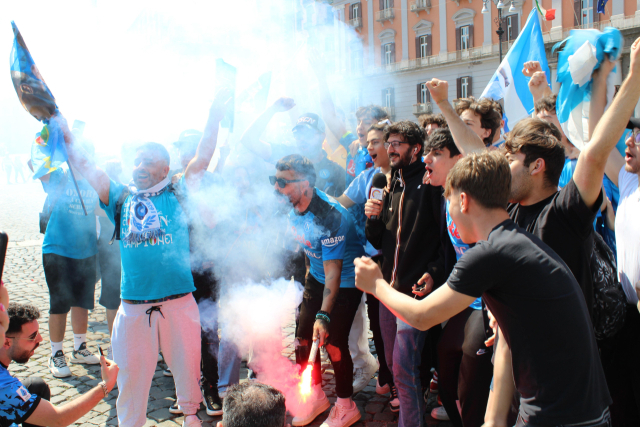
78,339
345,403
55,346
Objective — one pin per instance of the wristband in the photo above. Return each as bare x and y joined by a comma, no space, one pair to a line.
104,388
323,315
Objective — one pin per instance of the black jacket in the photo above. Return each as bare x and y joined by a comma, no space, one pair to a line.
418,250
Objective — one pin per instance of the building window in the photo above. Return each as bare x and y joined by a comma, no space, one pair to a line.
424,94
388,98
510,32
465,83
387,4
424,46
587,12
464,37
388,49
356,11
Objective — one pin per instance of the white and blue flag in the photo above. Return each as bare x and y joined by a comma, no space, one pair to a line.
509,83
583,52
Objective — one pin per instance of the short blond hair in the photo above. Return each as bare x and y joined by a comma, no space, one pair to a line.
485,177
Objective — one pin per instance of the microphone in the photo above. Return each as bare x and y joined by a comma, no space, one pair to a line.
378,183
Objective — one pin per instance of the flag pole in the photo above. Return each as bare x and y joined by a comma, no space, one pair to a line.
77,188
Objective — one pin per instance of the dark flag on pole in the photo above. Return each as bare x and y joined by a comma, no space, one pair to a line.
48,151
601,4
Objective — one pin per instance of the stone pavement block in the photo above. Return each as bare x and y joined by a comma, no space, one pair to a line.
102,407
374,408
161,414
102,419
57,399
384,416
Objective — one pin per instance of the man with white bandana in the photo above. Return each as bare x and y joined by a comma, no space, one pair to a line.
158,309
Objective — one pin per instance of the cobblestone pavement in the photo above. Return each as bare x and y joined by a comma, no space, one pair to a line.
24,277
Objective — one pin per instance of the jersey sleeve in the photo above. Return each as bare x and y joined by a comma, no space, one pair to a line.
578,216
347,139
476,271
357,190
16,403
334,239
115,190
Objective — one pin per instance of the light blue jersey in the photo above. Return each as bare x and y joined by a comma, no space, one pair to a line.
16,403
157,267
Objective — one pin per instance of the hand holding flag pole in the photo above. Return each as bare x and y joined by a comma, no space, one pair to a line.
48,151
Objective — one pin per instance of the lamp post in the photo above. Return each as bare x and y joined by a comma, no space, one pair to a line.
500,5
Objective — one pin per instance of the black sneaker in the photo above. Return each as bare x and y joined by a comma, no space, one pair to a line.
175,409
394,402
212,402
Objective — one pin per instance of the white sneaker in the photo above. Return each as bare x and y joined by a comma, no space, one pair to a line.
439,413
58,365
167,373
361,376
82,355
312,409
159,358
342,416
191,421
384,389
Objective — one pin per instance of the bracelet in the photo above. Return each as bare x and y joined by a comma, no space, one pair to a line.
323,315
104,388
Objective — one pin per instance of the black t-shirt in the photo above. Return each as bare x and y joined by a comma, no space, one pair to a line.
565,223
539,307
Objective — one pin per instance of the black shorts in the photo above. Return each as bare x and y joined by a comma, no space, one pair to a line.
71,282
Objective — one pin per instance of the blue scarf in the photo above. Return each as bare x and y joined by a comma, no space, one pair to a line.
144,222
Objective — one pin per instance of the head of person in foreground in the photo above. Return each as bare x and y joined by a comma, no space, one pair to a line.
253,404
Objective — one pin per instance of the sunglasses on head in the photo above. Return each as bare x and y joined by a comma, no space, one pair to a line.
283,182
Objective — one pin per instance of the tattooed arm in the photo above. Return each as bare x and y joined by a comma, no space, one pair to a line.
332,272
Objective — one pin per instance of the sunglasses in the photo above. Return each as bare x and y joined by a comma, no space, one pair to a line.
283,182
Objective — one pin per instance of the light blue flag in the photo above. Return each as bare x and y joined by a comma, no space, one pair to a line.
583,52
509,83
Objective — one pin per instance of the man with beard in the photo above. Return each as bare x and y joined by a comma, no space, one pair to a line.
308,133
326,232
27,402
405,226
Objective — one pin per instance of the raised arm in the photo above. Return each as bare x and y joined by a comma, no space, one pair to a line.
593,158
96,177
440,305
466,139
251,137
207,145
334,123
538,85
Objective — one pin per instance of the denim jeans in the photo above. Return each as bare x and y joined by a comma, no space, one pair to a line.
403,349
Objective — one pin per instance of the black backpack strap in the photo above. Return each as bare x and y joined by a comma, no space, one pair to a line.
118,214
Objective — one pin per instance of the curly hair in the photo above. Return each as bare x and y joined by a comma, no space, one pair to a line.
436,119
410,131
19,314
439,139
490,118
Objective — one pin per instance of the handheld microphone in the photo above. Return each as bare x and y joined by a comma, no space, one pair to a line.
378,183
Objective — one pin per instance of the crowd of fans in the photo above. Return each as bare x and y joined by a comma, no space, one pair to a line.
498,270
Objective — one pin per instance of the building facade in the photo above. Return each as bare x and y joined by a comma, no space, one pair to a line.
403,43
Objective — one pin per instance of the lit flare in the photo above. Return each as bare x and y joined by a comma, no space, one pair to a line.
305,381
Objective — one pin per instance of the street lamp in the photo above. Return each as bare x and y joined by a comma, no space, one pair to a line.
498,21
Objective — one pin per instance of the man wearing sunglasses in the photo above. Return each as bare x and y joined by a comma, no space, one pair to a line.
326,233
308,135
27,402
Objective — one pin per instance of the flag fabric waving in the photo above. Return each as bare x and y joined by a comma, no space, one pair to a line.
583,52
509,83
601,4
48,151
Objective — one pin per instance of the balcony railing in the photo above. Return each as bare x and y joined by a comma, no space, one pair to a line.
419,5
620,22
356,23
422,108
385,15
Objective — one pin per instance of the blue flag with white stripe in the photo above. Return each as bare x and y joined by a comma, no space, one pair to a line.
509,83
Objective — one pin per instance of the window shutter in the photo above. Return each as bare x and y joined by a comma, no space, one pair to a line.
577,12
350,12
470,36
393,52
393,97
382,58
429,51
516,26
458,88
470,86
391,4
419,93
418,50
381,4
458,39
428,99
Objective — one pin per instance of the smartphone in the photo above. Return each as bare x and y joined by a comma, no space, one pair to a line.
4,242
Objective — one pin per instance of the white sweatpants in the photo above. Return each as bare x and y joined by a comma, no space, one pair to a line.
136,339
359,337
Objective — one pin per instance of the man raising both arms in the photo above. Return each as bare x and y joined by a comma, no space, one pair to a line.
157,304
556,366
